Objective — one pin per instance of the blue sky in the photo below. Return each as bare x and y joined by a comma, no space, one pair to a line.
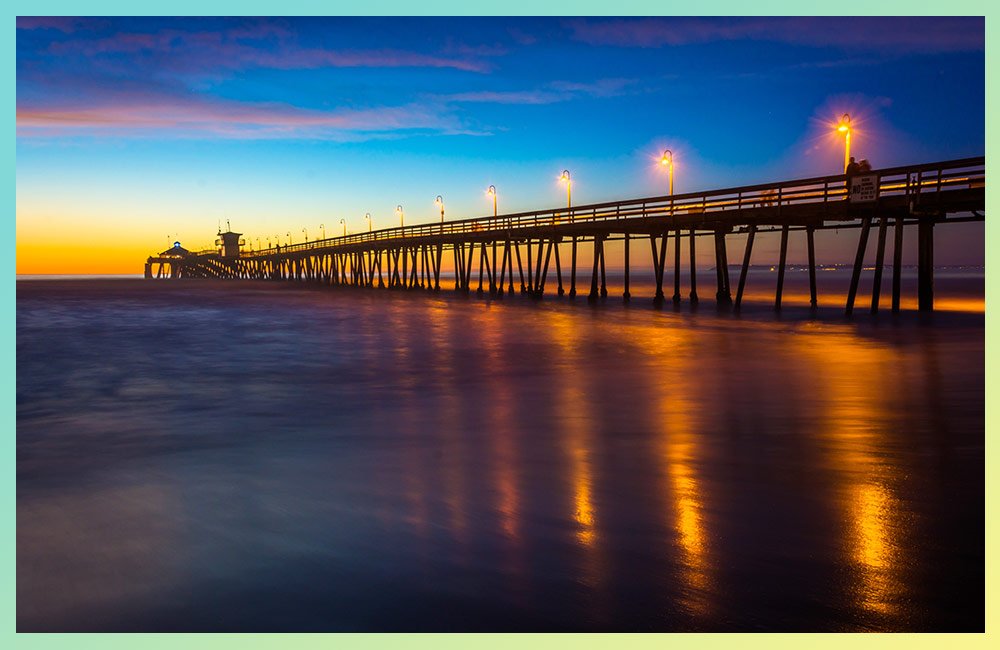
144,128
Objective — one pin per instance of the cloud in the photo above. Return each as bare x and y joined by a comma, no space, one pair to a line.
64,24
194,116
872,34
504,97
551,93
257,44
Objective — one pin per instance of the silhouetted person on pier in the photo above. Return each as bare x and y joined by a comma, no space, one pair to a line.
852,167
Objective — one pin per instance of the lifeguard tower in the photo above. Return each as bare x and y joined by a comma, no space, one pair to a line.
229,243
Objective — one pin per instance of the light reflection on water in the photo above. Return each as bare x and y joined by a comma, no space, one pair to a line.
256,457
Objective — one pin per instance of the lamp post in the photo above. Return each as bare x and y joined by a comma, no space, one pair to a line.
322,230
368,217
569,184
344,224
258,243
289,238
399,213
440,203
306,233
492,191
668,161
845,128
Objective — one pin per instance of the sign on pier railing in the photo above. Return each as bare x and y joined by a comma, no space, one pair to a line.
864,189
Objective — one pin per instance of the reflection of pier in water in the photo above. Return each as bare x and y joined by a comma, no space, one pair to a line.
411,257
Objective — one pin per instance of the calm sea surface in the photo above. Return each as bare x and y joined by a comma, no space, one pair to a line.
197,455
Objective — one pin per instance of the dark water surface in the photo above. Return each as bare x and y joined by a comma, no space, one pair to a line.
259,457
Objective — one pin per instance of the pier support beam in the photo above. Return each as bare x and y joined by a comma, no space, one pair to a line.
897,262
811,245
593,277
925,264
746,264
572,269
625,294
859,260
722,294
604,276
658,263
559,291
879,260
782,256
677,267
694,269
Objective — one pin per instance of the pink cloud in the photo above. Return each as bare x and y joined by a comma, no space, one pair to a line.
229,119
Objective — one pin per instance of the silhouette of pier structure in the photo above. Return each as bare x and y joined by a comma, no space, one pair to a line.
522,248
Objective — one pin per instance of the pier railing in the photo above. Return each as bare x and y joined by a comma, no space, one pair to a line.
926,183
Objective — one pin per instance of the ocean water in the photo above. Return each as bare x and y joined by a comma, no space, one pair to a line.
249,456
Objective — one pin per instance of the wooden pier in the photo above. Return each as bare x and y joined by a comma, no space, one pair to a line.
490,254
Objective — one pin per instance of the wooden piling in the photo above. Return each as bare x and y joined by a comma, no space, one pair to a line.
604,277
879,259
572,271
723,293
811,246
657,269
897,262
694,269
859,260
925,263
677,266
545,269
625,294
531,280
593,277
559,290
782,255
520,269
482,267
751,232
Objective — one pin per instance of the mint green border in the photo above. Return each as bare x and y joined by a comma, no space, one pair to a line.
505,641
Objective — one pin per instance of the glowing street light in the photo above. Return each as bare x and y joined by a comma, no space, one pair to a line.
322,229
668,161
344,224
492,191
440,203
368,216
399,213
845,128
569,184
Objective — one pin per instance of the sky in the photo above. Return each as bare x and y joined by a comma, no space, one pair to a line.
136,132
